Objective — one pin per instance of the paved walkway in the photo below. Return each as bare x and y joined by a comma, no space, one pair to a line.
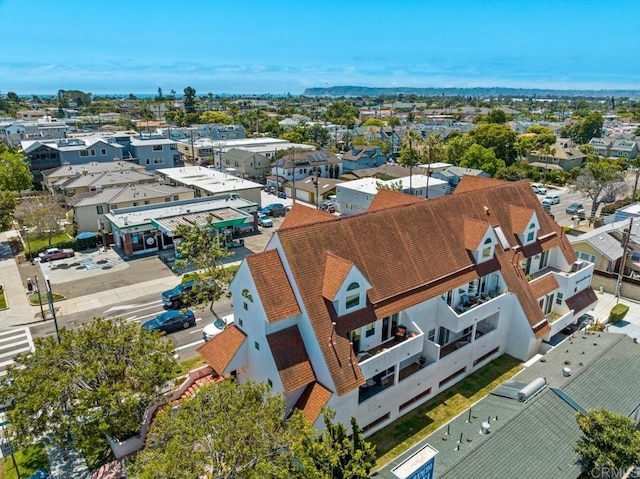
21,313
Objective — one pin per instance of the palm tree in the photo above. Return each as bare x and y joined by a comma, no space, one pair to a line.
411,153
546,151
435,151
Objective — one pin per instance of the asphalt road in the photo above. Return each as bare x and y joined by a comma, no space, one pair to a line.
145,308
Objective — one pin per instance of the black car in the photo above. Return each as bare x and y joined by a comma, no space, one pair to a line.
171,321
178,296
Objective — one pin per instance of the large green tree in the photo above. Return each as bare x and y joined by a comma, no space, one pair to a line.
599,180
189,100
610,442
15,174
232,430
411,153
202,248
342,113
456,146
43,215
8,204
97,380
481,158
499,137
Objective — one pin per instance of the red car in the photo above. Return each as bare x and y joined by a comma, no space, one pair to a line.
56,253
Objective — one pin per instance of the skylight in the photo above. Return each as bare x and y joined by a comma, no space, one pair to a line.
501,237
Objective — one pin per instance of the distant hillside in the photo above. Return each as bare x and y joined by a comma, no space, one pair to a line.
353,91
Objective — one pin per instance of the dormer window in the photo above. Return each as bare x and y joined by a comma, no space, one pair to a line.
532,233
486,250
352,300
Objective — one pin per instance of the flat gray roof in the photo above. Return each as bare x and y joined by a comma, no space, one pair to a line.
536,439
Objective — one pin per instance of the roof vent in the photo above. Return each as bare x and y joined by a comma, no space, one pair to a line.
486,210
566,372
486,428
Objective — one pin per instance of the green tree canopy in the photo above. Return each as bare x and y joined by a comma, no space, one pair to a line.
342,113
15,174
239,430
42,214
189,99
8,204
456,146
215,117
609,440
499,137
599,180
481,158
99,379
203,249
373,122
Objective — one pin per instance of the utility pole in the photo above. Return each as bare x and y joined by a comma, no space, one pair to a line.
625,244
40,298
193,156
51,306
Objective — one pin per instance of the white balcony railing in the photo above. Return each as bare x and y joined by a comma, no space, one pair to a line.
392,356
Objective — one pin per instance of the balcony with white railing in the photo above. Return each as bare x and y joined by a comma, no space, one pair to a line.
464,315
391,353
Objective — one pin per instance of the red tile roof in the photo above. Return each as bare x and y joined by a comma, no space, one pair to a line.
520,218
468,183
273,285
410,250
474,231
335,272
313,398
220,350
303,215
543,286
291,358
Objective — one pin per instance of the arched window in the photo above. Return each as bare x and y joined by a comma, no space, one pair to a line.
353,286
247,294
532,226
487,241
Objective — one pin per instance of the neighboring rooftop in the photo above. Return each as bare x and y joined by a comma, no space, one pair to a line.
535,439
207,179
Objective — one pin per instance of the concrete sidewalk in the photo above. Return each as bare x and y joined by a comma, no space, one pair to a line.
631,323
19,310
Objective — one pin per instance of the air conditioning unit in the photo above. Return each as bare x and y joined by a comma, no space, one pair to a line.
577,266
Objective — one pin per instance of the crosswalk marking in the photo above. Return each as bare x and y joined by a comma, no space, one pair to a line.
13,342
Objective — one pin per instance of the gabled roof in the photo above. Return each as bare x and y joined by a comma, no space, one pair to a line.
410,249
544,285
582,300
313,398
273,286
520,218
303,215
335,272
291,358
471,183
220,350
474,231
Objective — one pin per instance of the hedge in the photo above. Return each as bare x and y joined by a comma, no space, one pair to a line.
618,312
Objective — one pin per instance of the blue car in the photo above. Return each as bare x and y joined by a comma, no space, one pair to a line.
171,321
268,210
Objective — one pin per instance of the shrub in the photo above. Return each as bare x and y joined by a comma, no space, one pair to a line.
597,326
618,312
612,207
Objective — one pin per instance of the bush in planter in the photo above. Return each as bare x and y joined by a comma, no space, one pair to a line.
618,312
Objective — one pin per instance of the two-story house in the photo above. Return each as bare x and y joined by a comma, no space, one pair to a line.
363,157
300,164
562,156
154,153
376,313
615,147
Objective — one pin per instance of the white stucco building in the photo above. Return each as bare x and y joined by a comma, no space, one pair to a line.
374,314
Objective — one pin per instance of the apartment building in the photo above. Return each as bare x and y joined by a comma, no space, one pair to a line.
376,313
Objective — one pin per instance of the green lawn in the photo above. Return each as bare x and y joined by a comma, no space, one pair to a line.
34,301
3,300
36,244
424,420
28,460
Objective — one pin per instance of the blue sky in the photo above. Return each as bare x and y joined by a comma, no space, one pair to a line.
247,46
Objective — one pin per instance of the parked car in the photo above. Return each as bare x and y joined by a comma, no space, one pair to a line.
215,328
56,253
552,199
178,296
269,209
235,243
171,321
539,189
610,198
546,206
575,209
265,221
328,206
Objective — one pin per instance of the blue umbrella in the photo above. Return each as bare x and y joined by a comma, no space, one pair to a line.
86,235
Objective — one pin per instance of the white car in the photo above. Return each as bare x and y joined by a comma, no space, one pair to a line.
539,189
551,199
265,221
215,328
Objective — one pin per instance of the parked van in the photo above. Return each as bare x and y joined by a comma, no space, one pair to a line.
539,189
